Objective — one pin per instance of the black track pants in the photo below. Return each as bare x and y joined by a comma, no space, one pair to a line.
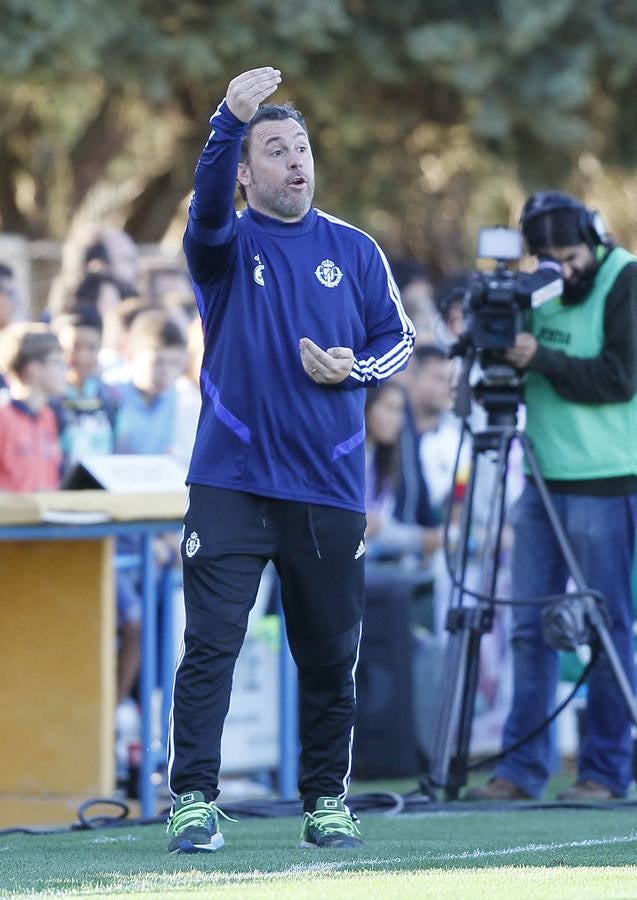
229,536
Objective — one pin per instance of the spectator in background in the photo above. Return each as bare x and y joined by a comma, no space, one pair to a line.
189,395
88,408
114,253
147,414
104,294
96,249
437,435
115,355
145,423
450,292
30,452
417,296
401,526
100,291
431,378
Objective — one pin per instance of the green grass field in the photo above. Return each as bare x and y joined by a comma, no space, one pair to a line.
569,853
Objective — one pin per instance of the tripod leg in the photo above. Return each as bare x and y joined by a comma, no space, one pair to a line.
459,683
594,615
451,686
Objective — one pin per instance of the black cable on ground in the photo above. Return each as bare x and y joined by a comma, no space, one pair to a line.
528,737
386,802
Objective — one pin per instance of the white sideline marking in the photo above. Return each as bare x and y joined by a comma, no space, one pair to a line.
529,848
113,840
374,862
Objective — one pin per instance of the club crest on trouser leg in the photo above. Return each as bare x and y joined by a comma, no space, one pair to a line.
192,544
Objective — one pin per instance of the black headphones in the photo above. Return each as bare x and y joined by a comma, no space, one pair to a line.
590,223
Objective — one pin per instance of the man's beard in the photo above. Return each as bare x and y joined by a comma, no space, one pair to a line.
282,203
578,291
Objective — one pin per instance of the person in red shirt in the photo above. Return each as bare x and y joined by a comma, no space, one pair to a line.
30,453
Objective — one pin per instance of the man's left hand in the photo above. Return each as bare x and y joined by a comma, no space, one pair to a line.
326,366
523,352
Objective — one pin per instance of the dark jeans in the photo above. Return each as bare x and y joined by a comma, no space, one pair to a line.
228,538
601,531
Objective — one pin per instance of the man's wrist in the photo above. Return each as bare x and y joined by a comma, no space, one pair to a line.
233,121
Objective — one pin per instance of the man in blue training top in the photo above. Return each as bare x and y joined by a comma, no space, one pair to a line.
299,312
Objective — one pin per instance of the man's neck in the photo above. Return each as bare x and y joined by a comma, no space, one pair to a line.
274,215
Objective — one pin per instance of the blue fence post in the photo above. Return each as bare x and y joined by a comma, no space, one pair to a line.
148,676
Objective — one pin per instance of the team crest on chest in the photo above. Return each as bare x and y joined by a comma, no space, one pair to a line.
328,273
257,274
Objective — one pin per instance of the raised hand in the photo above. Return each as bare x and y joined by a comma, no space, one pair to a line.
247,90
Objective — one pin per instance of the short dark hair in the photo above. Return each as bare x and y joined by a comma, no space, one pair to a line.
128,310
80,316
5,271
97,251
426,352
88,290
25,342
269,112
157,329
407,270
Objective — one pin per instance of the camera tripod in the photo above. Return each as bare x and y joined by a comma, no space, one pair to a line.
448,754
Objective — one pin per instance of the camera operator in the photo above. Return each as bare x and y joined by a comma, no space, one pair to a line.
580,353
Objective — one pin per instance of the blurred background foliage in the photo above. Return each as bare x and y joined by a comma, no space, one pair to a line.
428,118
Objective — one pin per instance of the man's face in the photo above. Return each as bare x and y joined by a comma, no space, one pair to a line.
432,385
578,265
155,370
50,374
386,417
81,346
278,175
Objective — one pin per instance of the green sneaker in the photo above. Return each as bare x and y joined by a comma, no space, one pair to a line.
331,826
193,825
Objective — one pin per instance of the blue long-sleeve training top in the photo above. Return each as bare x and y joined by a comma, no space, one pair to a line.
261,284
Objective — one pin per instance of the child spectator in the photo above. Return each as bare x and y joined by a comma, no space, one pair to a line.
146,423
147,415
88,409
30,453
116,353
431,377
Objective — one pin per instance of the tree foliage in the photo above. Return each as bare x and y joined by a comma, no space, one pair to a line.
427,117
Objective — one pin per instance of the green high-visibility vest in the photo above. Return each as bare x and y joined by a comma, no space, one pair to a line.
578,441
